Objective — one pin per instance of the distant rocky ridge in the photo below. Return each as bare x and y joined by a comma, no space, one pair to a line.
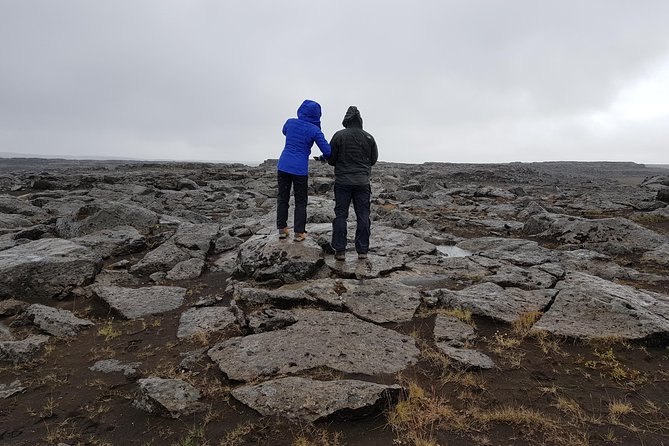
565,241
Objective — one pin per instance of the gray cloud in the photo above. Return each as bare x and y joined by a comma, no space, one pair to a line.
435,80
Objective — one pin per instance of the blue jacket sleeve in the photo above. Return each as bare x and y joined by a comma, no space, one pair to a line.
322,144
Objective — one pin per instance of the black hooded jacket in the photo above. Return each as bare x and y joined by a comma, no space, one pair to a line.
354,151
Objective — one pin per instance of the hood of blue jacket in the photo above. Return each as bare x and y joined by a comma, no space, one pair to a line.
310,111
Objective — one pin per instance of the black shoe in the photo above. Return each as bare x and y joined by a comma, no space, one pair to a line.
340,255
328,249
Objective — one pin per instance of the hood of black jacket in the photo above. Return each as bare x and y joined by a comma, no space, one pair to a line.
352,118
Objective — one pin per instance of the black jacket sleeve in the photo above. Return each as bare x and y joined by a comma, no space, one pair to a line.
334,150
375,152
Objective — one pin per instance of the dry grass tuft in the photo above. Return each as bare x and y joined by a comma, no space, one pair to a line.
618,409
108,331
523,325
418,415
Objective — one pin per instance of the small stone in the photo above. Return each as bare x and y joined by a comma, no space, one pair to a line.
170,398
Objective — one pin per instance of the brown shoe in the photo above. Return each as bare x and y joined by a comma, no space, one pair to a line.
340,255
362,255
283,233
300,236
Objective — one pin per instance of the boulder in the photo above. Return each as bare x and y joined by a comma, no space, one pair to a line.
318,339
46,268
197,238
113,242
94,217
490,300
590,307
14,205
310,400
18,352
186,270
204,320
10,222
133,303
170,398
612,236
269,258
55,321
163,258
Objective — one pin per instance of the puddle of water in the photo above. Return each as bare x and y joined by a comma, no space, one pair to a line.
453,251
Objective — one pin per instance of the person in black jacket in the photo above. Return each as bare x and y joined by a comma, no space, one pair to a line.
354,152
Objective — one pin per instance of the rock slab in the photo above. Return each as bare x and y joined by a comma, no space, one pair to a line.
57,322
171,398
133,303
310,400
46,268
590,307
318,339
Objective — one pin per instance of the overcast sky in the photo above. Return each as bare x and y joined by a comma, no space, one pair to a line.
442,80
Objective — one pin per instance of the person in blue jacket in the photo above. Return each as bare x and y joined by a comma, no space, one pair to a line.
293,167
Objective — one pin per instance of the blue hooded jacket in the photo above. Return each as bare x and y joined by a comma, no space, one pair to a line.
301,133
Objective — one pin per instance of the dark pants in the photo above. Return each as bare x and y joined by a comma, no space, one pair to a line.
360,196
300,186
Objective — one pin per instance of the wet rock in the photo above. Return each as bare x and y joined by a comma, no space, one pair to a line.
94,217
590,307
55,321
465,357
270,320
310,400
18,352
46,268
266,257
452,331
133,303
204,320
11,389
113,242
188,269
129,369
319,338
170,398
488,299
608,235
10,307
